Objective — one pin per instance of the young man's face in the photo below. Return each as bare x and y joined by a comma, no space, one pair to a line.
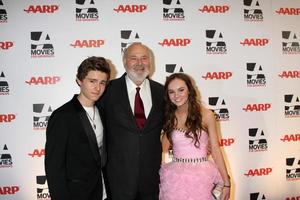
92,87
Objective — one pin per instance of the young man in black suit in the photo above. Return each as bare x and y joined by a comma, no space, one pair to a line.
75,147
133,134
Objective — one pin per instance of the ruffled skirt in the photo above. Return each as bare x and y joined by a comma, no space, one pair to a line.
188,181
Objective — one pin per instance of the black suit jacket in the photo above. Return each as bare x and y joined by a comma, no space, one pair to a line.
134,156
72,159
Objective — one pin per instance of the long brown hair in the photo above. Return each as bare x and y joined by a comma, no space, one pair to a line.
194,117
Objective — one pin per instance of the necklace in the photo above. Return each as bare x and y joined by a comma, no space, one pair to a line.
92,119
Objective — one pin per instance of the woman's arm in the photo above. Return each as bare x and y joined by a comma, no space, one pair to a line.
210,124
165,148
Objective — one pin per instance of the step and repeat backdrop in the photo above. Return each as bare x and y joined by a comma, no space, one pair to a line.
244,56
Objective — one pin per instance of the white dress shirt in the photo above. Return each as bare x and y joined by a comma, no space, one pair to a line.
145,94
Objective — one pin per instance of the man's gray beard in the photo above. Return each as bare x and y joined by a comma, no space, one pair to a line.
135,78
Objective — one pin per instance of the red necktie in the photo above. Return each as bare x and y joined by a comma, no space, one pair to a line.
139,113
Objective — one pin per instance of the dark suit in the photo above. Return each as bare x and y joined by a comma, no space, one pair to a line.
134,156
72,160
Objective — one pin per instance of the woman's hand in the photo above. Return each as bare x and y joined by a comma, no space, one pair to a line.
225,193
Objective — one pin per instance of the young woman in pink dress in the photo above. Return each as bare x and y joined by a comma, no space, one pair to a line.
188,128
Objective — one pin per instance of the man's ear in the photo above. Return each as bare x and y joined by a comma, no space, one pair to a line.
78,82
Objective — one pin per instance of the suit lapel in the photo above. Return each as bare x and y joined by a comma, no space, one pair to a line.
103,149
124,100
154,103
88,130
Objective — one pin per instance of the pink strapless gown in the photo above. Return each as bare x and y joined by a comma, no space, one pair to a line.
188,181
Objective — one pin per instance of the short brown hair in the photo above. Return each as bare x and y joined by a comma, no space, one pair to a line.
93,63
